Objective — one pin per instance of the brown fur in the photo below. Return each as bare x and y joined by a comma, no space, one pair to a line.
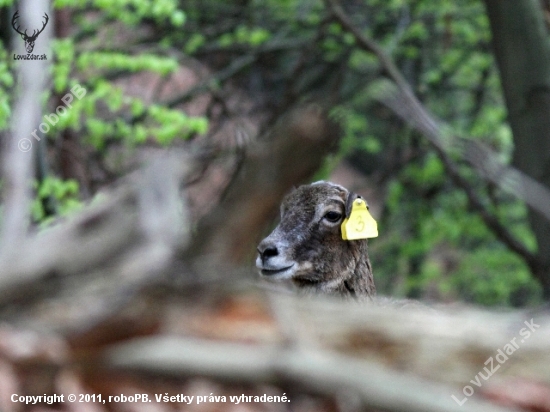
307,248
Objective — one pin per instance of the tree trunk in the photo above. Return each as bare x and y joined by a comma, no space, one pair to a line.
293,152
522,50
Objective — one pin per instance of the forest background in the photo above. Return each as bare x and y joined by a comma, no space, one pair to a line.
162,74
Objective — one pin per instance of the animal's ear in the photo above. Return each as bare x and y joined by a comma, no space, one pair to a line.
349,202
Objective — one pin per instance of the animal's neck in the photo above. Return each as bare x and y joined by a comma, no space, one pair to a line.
355,280
359,282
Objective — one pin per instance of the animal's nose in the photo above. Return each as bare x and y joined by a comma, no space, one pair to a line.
266,251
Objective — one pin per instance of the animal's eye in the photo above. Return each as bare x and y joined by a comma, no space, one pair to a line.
333,216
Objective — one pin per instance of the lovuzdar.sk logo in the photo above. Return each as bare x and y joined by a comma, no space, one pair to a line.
29,39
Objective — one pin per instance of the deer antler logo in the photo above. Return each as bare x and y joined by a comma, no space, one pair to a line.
29,40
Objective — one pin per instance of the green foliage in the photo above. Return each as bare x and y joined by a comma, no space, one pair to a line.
123,61
159,124
354,127
130,120
175,123
131,12
105,115
508,283
244,35
6,83
453,252
196,40
61,193
63,50
354,131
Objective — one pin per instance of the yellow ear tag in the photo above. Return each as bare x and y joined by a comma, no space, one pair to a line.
360,224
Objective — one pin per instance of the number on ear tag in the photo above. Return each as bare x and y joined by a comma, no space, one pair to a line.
360,224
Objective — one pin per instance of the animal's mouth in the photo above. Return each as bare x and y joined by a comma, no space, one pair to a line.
272,272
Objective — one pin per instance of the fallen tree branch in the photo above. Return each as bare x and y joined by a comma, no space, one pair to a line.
103,254
318,371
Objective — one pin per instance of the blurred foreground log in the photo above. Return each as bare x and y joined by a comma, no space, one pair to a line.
384,357
394,359
102,255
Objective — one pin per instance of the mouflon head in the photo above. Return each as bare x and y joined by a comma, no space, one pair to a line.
307,246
